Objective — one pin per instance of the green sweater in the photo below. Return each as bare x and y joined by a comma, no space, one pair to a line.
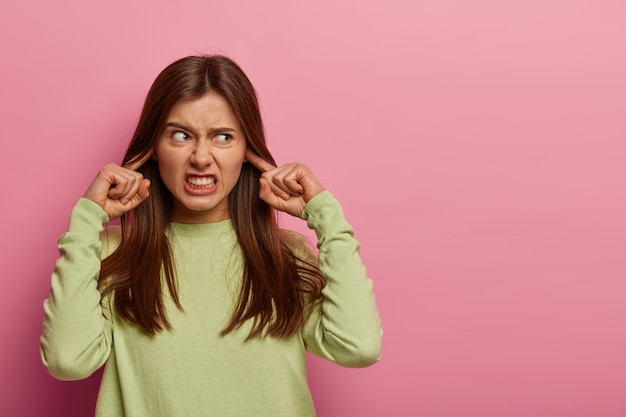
191,370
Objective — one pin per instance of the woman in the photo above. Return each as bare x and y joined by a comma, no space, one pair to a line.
198,304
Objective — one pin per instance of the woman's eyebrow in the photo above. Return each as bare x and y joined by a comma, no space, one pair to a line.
221,130
214,130
178,126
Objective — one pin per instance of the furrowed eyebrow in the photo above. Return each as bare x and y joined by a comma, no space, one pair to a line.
213,131
217,130
179,126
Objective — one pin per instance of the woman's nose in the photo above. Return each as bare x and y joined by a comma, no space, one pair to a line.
202,154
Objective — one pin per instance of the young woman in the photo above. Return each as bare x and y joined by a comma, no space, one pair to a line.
199,305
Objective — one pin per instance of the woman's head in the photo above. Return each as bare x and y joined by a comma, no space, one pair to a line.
275,281
186,80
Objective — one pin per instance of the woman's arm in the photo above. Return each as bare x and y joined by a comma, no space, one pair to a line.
344,325
76,336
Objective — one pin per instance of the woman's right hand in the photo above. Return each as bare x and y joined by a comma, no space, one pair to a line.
119,189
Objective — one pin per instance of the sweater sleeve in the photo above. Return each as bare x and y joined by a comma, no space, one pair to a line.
344,325
76,336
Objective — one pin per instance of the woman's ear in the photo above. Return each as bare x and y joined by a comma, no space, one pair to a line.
245,155
154,157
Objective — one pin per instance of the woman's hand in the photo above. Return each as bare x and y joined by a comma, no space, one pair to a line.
287,188
119,189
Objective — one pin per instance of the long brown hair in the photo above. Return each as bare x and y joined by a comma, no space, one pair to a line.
276,284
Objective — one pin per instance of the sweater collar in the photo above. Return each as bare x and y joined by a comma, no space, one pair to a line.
202,229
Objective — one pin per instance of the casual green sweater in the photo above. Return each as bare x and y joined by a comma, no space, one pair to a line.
192,370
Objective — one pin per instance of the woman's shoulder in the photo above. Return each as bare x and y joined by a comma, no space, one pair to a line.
110,237
292,238
298,243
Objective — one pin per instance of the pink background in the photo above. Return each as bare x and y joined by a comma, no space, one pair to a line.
477,146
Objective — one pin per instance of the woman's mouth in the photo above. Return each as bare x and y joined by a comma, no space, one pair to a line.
201,181
200,185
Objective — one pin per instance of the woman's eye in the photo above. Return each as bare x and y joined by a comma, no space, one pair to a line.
223,138
180,136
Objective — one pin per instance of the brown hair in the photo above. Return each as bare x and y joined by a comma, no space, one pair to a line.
276,284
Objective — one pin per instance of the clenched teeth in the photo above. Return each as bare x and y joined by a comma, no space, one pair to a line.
201,181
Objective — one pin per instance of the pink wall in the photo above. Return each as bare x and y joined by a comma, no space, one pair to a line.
477,146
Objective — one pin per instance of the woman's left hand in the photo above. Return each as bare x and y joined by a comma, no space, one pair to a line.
288,187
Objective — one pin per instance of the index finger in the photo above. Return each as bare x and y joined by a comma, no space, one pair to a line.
139,162
258,162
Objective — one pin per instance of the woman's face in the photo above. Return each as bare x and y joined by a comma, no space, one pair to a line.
200,154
